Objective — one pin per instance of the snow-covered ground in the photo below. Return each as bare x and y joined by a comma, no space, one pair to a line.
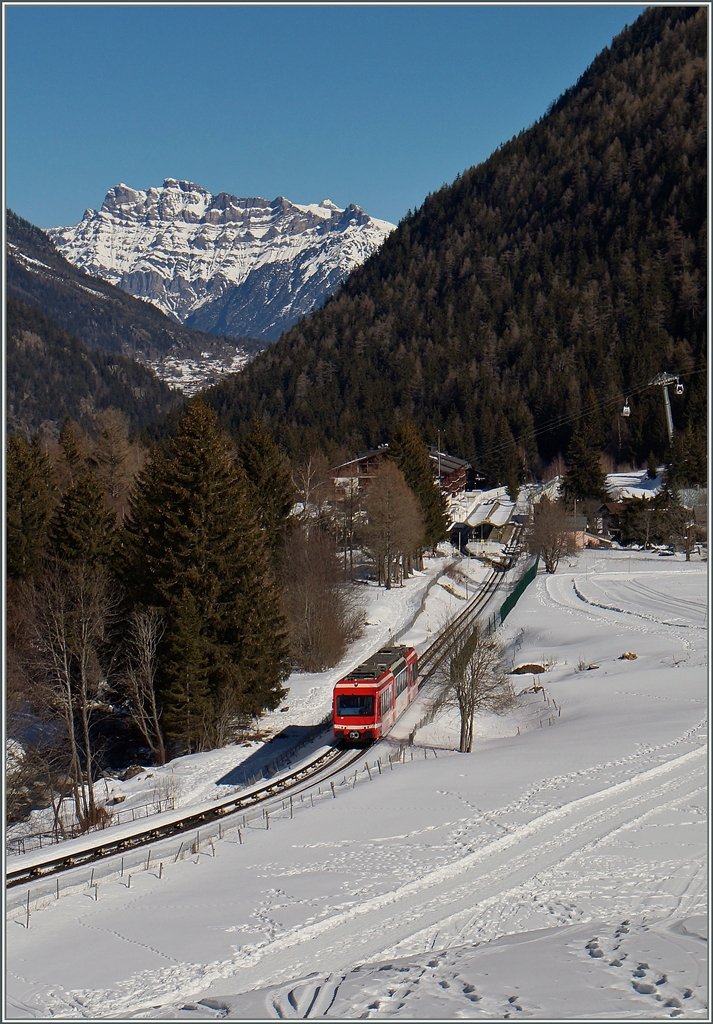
636,484
556,872
187,781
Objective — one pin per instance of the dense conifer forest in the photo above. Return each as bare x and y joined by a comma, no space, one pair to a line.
49,374
541,288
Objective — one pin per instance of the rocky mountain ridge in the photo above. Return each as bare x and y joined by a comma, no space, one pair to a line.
217,263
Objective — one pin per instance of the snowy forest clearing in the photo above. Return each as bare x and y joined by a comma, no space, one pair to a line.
561,870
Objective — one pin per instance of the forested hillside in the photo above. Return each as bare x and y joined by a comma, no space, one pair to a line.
99,314
49,375
531,295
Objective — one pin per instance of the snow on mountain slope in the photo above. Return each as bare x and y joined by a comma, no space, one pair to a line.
241,267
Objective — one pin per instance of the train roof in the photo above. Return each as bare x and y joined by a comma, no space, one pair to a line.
387,659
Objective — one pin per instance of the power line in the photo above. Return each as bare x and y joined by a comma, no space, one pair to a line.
565,420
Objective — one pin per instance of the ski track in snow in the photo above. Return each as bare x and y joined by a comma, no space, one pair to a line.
599,869
444,900
567,594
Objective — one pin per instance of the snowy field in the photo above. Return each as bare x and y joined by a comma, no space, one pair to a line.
557,872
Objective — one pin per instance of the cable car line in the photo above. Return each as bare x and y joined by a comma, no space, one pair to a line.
564,420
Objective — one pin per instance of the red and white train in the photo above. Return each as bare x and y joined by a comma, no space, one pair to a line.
368,701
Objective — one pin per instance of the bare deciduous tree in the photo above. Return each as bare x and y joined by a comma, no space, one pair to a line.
36,776
394,530
473,680
321,616
69,614
146,630
314,489
550,533
117,459
348,512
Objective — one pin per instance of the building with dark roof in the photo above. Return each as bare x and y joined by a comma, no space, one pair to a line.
359,471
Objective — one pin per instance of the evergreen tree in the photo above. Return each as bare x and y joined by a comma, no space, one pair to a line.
29,504
585,477
687,463
186,694
658,520
410,454
193,537
82,528
270,481
505,465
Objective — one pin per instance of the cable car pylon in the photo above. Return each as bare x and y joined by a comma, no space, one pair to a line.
665,380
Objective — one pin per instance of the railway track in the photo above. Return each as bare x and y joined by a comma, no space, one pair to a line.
327,764
434,655
323,767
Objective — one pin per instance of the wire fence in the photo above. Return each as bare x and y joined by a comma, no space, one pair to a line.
161,856
18,845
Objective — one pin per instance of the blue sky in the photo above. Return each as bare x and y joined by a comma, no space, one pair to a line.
376,105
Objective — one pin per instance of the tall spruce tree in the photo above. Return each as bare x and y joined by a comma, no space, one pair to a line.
410,454
82,528
270,482
504,463
186,698
193,546
29,504
687,461
585,478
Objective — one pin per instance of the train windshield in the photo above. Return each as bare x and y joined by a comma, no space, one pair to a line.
355,704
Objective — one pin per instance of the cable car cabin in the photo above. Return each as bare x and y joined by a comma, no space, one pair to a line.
370,699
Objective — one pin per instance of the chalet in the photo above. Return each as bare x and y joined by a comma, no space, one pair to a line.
358,473
450,471
607,520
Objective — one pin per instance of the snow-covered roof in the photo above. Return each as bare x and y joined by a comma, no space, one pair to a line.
497,513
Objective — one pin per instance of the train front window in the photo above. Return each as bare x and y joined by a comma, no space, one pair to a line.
351,704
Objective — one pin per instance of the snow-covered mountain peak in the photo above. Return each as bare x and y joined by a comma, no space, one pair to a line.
240,266
175,200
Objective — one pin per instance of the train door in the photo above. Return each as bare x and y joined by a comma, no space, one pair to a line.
386,707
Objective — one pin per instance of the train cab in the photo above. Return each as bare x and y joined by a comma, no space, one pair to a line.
368,701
